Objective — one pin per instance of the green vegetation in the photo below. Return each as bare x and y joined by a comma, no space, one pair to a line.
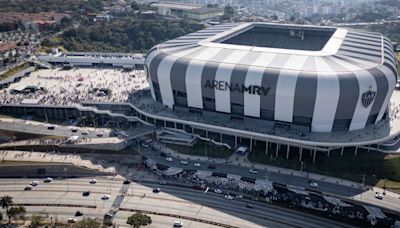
128,35
13,71
375,165
202,149
34,6
390,30
138,219
229,12
6,202
37,221
88,223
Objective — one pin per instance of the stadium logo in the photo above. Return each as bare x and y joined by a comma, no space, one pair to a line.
235,87
368,97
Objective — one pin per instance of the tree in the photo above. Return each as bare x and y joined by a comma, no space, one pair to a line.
36,221
16,212
229,12
137,220
89,223
6,202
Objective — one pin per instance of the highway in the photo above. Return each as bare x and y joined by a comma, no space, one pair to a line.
195,206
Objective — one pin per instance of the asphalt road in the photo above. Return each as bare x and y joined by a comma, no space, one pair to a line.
330,188
171,200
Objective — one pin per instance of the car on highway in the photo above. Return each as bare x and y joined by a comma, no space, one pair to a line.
218,191
378,195
178,224
105,197
93,181
156,190
78,213
85,133
196,164
74,130
72,220
34,183
249,206
169,159
211,166
228,197
183,162
87,193
48,180
253,171
314,184
126,182
51,127
28,188
99,135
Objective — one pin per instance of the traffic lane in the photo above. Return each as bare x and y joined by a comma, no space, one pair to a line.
171,194
387,201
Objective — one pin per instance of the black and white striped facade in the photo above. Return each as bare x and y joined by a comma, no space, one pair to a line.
344,86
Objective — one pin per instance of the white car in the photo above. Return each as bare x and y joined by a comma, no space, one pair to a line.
93,181
218,191
196,164
178,224
183,162
378,195
228,197
253,171
34,183
169,159
314,184
105,197
72,220
48,180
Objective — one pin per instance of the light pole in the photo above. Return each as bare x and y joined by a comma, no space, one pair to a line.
66,177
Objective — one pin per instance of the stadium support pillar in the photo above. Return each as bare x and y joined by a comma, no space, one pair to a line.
329,152
341,152
301,153
165,123
266,148
235,142
276,151
355,151
206,134
251,144
220,137
175,125
315,154
287,152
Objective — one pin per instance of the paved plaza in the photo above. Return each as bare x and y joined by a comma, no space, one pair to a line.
68,87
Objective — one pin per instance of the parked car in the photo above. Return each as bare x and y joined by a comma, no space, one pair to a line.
228,197
169,159
126,182
78,213
156,190
314,184
178,224
87,193
183,162
196,164
51,127
93,181
218,191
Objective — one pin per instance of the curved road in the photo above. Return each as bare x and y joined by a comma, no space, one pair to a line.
192,204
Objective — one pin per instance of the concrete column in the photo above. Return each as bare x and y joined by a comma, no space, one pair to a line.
266,148
341,152
192,130
329,152
165,123
235,141
220,137
287,152
355,151
175,125
251,145
301,153
315,153
276,151
255,142
206,134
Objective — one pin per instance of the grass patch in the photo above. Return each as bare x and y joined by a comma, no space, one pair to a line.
376,166
200,149
13,71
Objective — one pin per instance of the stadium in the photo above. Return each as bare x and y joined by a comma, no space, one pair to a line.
319,79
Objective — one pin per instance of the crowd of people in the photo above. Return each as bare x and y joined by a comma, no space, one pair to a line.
68,87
